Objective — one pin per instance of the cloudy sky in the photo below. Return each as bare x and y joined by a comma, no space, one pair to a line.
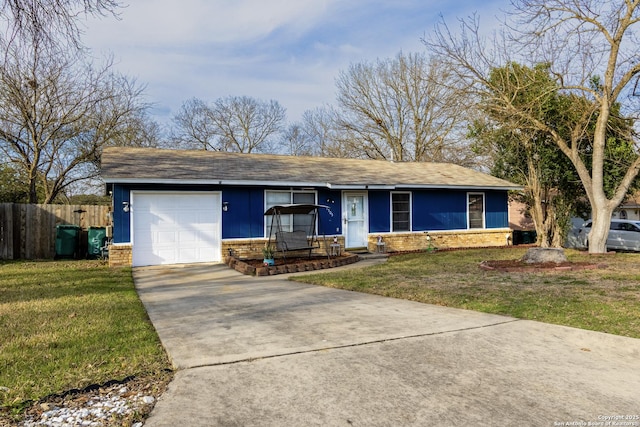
287,50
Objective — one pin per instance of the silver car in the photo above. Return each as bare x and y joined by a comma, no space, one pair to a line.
623,235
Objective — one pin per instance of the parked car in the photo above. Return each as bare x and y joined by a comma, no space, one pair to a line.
623,235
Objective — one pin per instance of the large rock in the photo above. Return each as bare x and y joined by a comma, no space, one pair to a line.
540,255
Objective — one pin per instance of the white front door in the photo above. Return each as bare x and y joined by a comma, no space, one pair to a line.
355,219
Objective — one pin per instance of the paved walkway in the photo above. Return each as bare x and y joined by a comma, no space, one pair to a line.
269,352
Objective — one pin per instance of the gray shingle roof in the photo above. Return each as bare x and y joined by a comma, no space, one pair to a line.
146,165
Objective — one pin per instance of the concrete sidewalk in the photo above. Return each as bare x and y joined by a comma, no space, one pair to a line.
266,351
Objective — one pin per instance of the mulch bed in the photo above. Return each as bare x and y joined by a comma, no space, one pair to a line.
521,266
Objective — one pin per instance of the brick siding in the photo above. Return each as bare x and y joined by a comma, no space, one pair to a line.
252,248
401,242
120,256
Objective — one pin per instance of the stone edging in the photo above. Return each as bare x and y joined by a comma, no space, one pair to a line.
486,265
315,264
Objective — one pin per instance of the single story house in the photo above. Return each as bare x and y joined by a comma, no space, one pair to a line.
186,206
630,208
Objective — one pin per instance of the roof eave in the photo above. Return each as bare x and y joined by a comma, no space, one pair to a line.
460,187
328,185
109,180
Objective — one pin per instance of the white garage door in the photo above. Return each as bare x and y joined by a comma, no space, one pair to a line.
175,228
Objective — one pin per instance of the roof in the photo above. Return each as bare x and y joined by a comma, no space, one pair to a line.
632,201
161,166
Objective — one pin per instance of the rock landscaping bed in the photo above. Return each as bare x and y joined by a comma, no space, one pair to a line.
256,267
117,403
538,259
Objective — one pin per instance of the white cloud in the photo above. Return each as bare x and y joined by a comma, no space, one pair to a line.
171,23
287,50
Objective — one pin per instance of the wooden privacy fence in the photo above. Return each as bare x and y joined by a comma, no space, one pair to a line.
29,231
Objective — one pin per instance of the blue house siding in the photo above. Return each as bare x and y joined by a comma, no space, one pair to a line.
439,210
331,220
121,219
379,211
447,210
432,210
496,209
245,217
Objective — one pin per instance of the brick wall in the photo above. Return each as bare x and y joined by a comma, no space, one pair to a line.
400,242
120,256
252,248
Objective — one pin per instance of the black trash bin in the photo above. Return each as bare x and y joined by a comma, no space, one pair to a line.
96,239
529,237
67,241
524,237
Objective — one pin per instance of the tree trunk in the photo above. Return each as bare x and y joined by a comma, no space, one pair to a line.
540,220
539,209
600,224
33,193
32,177
558,236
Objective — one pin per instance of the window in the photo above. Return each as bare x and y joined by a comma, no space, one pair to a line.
617,226
475,210
290,222
400,211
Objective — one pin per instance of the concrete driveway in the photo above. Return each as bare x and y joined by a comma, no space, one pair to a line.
264,351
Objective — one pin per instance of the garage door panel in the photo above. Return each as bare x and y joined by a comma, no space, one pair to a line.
170,228
164,236
163,254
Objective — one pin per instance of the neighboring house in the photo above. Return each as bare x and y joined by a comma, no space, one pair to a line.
519,218
629,209
175,206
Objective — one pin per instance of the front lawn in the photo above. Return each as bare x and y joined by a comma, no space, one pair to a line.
70,324
605,299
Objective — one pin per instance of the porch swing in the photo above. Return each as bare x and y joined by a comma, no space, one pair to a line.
304,237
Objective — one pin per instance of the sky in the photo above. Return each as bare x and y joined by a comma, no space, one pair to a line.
290,51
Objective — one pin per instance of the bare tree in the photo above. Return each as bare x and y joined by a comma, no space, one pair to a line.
321,127
236,123
297,141
401,109
246,124
194,127
57,112
138,129
316,135
50,22
593,52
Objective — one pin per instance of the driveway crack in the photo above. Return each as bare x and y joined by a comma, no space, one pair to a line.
352,345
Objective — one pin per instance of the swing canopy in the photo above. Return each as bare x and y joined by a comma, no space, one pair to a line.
294,209
304,237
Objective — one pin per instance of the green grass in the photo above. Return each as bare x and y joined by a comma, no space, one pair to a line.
605,299
69,324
